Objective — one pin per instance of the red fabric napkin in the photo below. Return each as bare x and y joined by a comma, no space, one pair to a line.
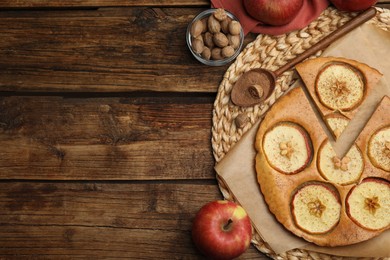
309,11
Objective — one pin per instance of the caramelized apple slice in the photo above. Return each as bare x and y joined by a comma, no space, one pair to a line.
340,87
342,171
368,204
316,207
287,147
379,149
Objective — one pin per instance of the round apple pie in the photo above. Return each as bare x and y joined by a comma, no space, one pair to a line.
325,199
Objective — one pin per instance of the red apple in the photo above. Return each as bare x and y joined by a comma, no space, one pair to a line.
353,5
222,230
273,12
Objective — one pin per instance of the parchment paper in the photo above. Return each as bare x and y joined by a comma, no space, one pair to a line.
367,44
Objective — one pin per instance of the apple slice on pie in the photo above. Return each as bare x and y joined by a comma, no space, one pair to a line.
316,207
337,123
379,149
368,204
287,147
343,171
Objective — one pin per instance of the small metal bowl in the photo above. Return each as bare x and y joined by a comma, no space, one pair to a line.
211,62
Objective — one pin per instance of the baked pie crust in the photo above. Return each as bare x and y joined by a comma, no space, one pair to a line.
316,200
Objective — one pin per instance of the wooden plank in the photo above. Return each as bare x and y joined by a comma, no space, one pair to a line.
105,50
106,138
105,220
104,3
98,3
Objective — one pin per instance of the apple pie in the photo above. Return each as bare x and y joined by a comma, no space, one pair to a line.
327,200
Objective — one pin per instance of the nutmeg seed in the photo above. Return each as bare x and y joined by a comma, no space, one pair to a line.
204,22
213,24
196,28
241,120
220,14
200,38
208,39
234,41
220,40
234,28
206,53
225,25
227,51
216,54
197,46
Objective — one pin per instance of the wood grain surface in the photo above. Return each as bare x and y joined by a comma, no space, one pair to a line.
104,3
106,138
105,130
104,50
98,3
104,219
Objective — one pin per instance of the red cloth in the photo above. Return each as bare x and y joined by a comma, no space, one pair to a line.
309,11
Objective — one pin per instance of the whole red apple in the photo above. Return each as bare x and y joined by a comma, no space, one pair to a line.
222,230
353,5
273,12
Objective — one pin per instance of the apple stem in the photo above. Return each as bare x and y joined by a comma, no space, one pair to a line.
228,224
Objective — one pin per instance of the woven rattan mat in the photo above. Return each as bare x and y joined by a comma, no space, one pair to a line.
230,122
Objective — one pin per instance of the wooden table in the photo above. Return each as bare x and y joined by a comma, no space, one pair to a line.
105,129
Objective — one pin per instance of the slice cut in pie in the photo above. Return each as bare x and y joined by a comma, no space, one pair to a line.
375,140
338,84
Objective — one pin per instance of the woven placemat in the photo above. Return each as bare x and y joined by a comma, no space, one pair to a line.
230,122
